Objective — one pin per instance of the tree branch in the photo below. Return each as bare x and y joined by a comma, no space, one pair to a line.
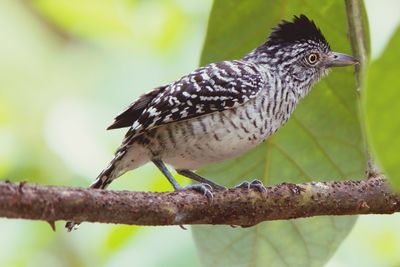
232,207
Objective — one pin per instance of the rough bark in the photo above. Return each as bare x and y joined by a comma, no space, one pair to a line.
243,207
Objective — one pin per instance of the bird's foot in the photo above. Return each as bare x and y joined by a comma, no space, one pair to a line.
256,184
203,188
182,227
71,226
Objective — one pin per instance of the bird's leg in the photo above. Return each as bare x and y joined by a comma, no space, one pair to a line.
161,166
194,176
203,188
257,184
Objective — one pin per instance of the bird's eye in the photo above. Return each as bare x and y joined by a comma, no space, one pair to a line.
312,58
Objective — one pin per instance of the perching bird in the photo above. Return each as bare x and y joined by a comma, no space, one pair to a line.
223,109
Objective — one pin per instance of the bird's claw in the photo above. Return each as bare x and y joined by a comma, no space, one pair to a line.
203,188
256,184
71,226
182,227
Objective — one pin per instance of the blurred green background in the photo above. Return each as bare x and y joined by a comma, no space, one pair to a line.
66,68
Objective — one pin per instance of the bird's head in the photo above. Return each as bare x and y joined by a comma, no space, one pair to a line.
300,49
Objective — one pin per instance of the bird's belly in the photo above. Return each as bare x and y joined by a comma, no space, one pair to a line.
198,152
211,138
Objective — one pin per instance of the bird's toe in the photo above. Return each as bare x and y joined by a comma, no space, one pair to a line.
256,184
203,188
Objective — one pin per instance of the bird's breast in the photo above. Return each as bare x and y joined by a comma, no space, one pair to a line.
214,137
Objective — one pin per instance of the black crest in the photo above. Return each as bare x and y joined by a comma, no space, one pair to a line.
301,29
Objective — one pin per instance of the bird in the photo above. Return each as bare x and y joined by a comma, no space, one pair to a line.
222,110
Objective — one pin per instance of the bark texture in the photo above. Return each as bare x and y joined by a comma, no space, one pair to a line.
240,206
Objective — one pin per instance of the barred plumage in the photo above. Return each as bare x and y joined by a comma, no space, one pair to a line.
215,87
222,110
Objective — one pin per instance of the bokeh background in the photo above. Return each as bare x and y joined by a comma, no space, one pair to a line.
66,68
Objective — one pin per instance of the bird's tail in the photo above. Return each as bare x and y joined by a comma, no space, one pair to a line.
110,173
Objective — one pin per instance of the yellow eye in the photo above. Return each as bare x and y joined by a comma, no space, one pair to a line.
312,58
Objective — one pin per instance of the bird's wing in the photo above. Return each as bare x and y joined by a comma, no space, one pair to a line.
127,117
215,87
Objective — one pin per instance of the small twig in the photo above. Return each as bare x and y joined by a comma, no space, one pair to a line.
48,24
358,39
358,42
231,207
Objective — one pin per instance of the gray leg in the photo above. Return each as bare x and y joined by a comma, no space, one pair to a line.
202,188
161,166
198,178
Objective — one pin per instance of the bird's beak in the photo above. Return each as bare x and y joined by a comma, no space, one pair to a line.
340,60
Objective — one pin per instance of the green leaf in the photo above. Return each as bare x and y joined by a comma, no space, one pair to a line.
382,109
321,141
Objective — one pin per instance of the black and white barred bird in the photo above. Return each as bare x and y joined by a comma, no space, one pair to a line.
222,110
